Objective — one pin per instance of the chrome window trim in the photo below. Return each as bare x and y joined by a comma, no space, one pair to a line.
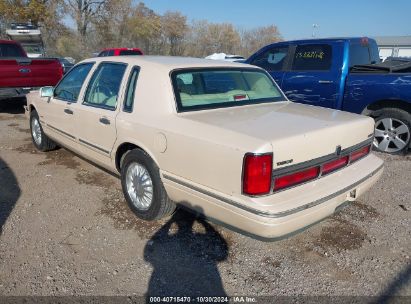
68,73
136,69
85,103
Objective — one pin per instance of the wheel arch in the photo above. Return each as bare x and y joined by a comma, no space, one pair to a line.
32,108
374,109
125,147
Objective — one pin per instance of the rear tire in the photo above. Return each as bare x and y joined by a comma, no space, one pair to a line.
40,140
392,131
142,187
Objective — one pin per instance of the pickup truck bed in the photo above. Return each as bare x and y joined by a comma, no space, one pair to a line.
391,66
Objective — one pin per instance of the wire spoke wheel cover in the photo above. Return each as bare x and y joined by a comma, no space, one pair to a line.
139,186
36,131
391,135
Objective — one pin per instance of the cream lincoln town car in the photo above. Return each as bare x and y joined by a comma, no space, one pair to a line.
213,136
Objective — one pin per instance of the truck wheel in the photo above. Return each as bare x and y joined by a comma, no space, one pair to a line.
143,188
392,131
40,140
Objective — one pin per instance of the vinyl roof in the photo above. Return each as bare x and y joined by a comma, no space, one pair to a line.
169,62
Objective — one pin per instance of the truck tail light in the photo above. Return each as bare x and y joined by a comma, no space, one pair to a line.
296,178
257,172
334,165
356,155
61,71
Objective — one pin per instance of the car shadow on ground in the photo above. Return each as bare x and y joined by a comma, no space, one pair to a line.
13,106
9,192
184,254
402,280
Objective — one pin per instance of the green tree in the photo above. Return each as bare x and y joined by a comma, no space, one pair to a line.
174,29
112,26
24,10
144,27
208,38
84,12
254,39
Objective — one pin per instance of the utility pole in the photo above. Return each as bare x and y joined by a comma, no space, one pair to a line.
315,26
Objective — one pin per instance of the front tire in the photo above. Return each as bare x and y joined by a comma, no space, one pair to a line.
40,139
143,188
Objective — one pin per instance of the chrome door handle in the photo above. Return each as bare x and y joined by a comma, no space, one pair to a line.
104,121
325,81
68,111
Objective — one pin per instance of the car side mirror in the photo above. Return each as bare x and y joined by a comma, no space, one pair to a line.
46,92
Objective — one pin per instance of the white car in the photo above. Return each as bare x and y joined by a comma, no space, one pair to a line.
226,57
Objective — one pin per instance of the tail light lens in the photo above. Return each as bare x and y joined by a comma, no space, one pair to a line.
257,172
356,155
334,165
296,178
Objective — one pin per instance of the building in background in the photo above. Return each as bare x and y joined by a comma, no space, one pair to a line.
394,46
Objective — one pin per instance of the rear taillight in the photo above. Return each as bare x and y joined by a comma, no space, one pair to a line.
257,172
296,178
61,72
356,155
334,165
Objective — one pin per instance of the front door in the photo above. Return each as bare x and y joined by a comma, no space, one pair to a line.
58,112
96,116
312,78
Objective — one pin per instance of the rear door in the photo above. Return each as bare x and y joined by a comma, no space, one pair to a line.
96,116
313,75
273,59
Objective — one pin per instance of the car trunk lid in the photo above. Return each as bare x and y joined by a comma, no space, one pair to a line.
297,133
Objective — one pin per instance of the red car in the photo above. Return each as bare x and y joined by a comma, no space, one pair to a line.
20,74
120,52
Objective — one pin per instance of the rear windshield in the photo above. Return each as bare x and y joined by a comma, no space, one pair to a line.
218,88
10,50
364,53
130,52
32,49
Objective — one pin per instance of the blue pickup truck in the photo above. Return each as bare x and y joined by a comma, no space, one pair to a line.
345,74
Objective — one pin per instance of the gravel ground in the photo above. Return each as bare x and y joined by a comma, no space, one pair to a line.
66,230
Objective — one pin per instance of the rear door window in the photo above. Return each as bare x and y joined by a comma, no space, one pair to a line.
131,88
10,50
69,87
312,57
129,52
359,54
104,86
273,59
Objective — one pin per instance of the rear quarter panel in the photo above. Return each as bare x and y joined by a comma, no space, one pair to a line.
364,89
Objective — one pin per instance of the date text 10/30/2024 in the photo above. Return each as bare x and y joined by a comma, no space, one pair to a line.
235,299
